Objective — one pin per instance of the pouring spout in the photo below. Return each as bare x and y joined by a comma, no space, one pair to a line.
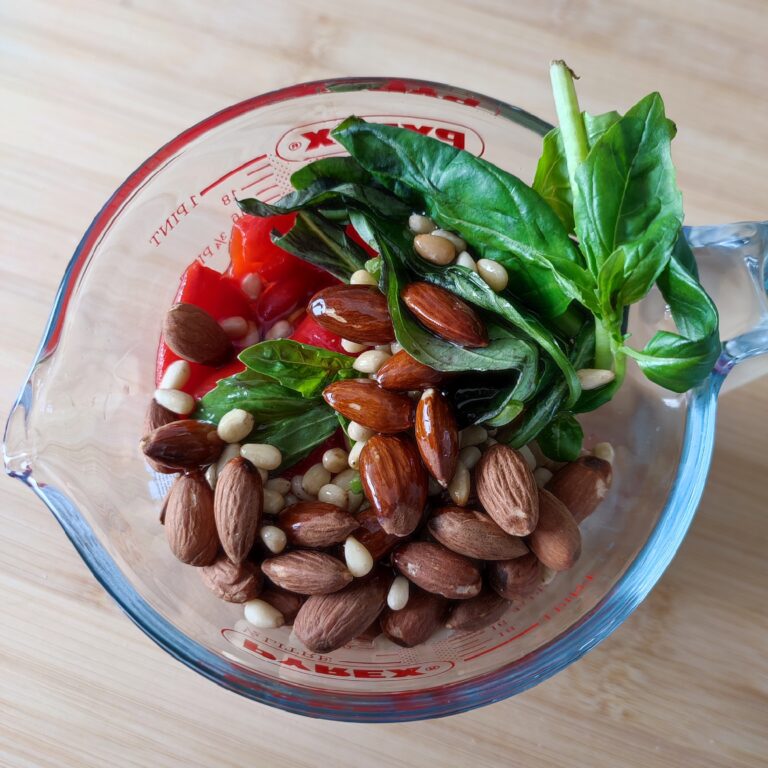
17,447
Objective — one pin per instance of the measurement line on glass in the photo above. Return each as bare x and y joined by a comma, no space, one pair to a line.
231,173
257,181
505,642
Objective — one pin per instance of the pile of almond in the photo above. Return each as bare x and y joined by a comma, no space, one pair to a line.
453,526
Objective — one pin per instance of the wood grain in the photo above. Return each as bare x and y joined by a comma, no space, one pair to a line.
90,89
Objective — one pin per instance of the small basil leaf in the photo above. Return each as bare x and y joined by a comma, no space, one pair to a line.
296,436
561,439
335,169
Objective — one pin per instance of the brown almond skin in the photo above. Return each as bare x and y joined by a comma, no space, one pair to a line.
404,373
445,314
307,572
394,481
233,582
422,616
437,436
479,612
581,485
183,444
474,534
327,622
355,312
194,335
316,524
158,416
515,579
364,401
507,490
369,634
238,506
190,526
372,536
286,602
437,569
556,541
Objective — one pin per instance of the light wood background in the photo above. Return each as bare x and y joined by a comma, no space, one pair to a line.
88,90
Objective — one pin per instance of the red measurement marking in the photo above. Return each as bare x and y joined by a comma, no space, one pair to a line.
509,640
257,181
231,173
256,170
272,198
266,189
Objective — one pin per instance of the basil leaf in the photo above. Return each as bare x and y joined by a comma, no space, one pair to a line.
561,439
296,436
551,180
335,169
299,367
316,240
491,399
501,216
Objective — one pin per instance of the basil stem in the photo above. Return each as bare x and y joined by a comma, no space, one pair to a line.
569,116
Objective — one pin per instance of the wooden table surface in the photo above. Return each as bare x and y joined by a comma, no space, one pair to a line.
89,90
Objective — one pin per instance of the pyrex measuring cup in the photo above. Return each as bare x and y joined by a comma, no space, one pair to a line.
73,434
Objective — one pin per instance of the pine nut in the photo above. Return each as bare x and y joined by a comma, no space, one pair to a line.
352,346
290,500
370,361
332,494
452,238
280,484
335,460
527,454
354,454
359,433
315,478
357,557
234,327
397,597
274,538
282,329
421,225
297,489
465,260
354,500
362,277
175,400
176,375
542,476
262,615
210,475
493,273
605,452
345,478
474,435
458,488
235,425
469,456
251,285
230,452
489,442
436,250
273,502
395,347
252,337
262,455
547,575
592,378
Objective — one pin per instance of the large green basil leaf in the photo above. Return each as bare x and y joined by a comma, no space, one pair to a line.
502,217
320,242
300,367
335,169
296,436
561,439
494,400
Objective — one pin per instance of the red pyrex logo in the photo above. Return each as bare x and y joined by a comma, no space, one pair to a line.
307,142
343,671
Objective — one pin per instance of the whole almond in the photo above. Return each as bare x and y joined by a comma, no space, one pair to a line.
474,534
404,373
477,613
437,436
422,616
355,312
515,579
581,485
364,401
183,444
287,603
233,582
556,540
307,572
238,506
316,524
507,489
190,526
445,314
372,536
327,622
394,481
437,569
158,416
194,335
